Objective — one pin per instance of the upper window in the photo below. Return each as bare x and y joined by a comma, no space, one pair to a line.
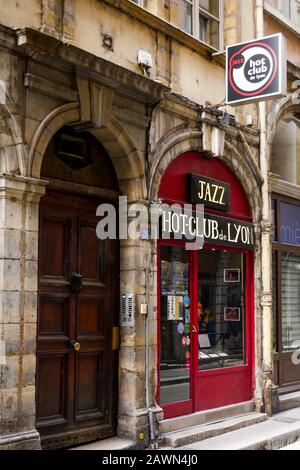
288,10
286,149
200,18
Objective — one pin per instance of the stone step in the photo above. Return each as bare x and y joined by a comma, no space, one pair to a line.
206,431
205,417
113,443
295,446
275,433
289,401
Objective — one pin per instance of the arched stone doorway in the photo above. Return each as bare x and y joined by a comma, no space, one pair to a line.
77,295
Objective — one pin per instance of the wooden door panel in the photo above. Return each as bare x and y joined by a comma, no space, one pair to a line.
90,250
91,315
55,244
90,398
289,372
52,390
53,316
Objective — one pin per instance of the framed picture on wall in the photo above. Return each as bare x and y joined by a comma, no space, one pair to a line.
232,314
232,275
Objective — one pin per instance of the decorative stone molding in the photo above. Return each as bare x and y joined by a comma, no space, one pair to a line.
12,147
64,115
266,299
279,186
98,69
48,88
184,140
266,227
126,159
278,109
27,440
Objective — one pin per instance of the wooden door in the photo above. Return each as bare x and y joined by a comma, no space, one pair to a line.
77,309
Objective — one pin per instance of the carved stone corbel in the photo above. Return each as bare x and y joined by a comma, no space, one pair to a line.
95,102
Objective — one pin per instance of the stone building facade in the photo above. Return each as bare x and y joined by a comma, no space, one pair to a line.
69,75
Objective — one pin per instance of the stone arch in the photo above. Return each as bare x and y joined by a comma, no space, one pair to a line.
126,159
12,147
188,140
280,108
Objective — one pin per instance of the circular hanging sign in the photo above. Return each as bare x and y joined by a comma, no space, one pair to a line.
187,328
252,69
183,341
188,341
180,328
256,69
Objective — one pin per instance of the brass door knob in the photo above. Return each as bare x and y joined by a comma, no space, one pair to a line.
75,345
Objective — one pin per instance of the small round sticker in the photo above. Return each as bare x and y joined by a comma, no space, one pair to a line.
187,328
186,301
180,328
187,355
188,341
183,341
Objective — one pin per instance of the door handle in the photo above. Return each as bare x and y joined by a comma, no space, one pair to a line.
76,346
76,283
194,329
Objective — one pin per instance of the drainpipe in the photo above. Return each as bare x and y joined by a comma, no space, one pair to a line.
266,246
153,439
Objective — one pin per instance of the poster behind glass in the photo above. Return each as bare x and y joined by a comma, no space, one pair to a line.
174,325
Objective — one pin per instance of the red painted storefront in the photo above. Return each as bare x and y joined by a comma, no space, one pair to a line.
218,386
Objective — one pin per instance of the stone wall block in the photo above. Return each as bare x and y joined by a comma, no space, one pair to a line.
9,274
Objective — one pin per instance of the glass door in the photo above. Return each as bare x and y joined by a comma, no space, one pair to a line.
221,313
175,330
205,328
224,366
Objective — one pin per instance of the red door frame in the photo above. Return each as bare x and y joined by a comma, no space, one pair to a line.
231,376
183,407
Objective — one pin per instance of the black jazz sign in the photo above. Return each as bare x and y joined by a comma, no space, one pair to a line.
211,193
256,70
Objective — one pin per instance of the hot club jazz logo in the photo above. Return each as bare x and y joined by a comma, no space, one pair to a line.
256,70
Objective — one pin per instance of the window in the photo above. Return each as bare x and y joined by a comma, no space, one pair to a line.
286,289
200,18
288,9
286,149
221,315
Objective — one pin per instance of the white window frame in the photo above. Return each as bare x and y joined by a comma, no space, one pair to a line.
196,8
140,3
276,13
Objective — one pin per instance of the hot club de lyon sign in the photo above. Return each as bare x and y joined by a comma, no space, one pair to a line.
256,70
